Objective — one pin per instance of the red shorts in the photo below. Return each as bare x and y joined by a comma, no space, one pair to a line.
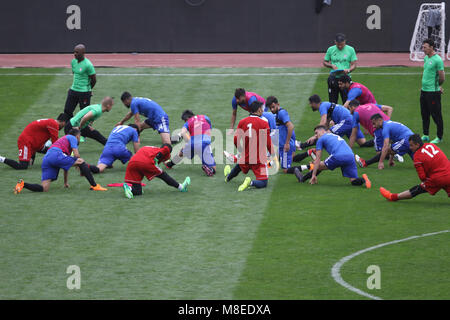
432,186
26,151
136,171
260,170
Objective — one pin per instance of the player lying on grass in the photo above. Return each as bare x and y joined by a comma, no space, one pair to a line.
391,140
116,147
432,166
356,91
33,139
341,156
58,157
252,139
341,117
196,132
145,164
157,118
85,117
361,115
243,99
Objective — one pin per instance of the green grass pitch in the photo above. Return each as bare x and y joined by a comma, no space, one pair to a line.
213,242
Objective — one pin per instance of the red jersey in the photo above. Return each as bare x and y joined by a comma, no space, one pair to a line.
147,154
38,132
431,162
255,133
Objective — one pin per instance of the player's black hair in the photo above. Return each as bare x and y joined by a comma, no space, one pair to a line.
254,107
63,117
315,98
125,95
416,139
321,126
376,116
239,92
74,132
271,100
345,79
430,42
340,37
133,125
186,115
167,145
353,103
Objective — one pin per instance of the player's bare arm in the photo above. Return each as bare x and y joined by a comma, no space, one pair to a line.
137,145
387,110
323,120
93,80
316,167
352,67
185,134
233,121
328,64
384,153
290,129
352,139
66,179
86,118
126,118
76,153
441,75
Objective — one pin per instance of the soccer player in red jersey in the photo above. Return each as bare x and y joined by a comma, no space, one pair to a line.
254,132
145,164
33,139
433,169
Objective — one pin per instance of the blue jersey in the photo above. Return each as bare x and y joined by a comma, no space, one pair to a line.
121,135
234,104
282,117
147,108
339,114
395,131
355,119
334,145
271,118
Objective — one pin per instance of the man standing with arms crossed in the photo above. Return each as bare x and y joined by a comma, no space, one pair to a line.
341,59
430,95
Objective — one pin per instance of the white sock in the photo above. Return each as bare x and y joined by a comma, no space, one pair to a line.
180,187
304,167
2,159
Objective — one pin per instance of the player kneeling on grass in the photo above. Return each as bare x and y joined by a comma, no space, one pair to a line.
433,169
341,156
33,139
145,164
196,132
254,132
58,157
116,147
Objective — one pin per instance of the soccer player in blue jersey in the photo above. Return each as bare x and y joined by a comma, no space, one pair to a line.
157,118
196,132
341,117
116,147
58,157
340,156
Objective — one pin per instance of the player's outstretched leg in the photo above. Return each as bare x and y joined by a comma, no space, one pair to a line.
231,173
21,165
247,182
86,172
127,190
408,194
171,182
360,181
304,177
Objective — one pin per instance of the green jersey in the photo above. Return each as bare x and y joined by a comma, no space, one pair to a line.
341,58
96,111
81,72
430,77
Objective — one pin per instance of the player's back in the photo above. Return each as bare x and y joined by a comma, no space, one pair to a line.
271,119
65,144
333,144
198,125
39,131
147,154
255,132
433,160
340,113
366,111
396,131
366,96
146,107
122,135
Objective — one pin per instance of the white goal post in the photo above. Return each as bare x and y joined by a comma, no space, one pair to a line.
430,23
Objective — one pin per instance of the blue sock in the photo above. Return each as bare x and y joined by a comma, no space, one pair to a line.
259,183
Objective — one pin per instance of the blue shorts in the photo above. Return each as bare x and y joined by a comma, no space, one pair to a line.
286,157
345,162
112,153
54,160
202,149
344,128
378,140
401,147
162,126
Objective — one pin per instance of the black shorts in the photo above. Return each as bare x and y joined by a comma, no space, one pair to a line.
74,98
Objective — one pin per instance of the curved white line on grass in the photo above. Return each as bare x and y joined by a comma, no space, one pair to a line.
335,271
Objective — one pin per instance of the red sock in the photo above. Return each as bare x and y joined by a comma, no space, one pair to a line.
394,196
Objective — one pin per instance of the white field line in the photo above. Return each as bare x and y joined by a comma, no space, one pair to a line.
335,271
281,74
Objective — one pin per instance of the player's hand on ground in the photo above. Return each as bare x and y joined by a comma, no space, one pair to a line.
391,162
286,147
313,180
66,185
381,165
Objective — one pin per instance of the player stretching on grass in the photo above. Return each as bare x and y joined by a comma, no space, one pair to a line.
33,139
388,133
254,132
341,156
116,147
196,132
84,118
58,157
355,90
433,169
244,99
145,164
157,119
